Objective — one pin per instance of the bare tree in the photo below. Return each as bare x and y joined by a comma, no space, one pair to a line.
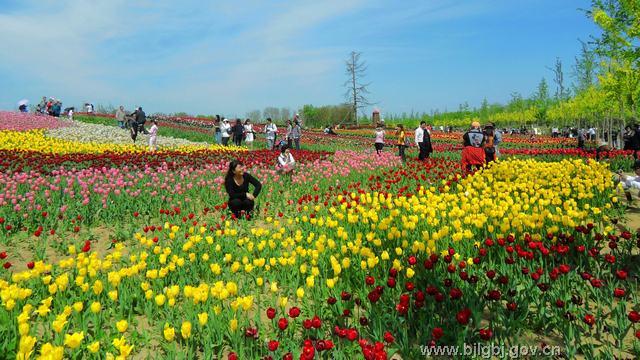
254,115
285,113
356,89
558,78
272,112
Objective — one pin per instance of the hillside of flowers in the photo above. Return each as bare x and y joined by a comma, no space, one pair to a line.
109,250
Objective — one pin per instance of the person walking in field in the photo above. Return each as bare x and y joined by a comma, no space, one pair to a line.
153,136
296,133
238,132
423,141
489,143
217,134
287,134
270,130
137,124
120,116
225,129
248,133
379,142
402,143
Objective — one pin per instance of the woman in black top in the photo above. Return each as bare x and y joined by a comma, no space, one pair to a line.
237,185
238,132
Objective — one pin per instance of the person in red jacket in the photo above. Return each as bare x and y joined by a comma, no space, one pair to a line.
473,154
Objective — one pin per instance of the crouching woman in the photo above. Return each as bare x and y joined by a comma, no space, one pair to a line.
286,162
241,201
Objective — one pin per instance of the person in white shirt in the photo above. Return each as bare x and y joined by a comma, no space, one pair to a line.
225,129
153,136
419,135
271,130
286,162
248,133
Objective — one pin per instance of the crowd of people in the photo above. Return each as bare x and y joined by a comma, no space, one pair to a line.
51,107
422,140
238,131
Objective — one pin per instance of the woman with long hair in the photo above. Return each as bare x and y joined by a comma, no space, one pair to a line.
236,182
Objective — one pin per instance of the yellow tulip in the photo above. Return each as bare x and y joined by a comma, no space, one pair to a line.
96,307
74,340
169,332
26,345
185,330
203,318
94,347
122,325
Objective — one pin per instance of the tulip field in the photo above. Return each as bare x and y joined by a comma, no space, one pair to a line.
110,251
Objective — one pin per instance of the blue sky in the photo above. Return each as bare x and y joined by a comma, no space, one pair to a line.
230,57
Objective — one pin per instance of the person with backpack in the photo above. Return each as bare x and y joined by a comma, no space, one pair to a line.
217,134
473,154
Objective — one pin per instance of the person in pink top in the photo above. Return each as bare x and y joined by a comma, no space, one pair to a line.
153,135
379,144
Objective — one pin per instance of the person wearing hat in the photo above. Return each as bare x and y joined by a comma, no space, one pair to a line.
225,129
473,153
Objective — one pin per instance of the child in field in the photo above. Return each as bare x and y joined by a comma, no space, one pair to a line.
153,133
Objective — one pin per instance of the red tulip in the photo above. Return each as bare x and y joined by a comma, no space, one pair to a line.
30,264
589,320
283,323
273,345
271,313
634,316
618,292
294,312
463,316
485,334
437,333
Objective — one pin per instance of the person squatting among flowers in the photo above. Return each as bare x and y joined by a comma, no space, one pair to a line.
286,162
237,185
